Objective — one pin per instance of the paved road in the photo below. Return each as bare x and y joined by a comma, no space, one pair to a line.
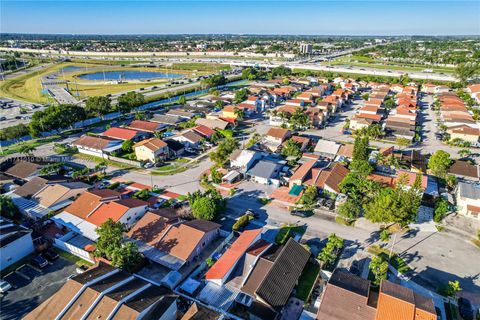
25,71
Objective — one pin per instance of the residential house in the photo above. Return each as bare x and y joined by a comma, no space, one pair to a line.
187,115
97,146
224,266
468,199
212,123
266,172
15,243
166,120
329,179
104,292
474,91
189,139
326,148
204,131
348,297
124,134
243,160
34,185
152,150
145,126
175,148
464,133
57,196
302,141
275,137
23,170
463,170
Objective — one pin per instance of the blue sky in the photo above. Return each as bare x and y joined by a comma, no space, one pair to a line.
334,17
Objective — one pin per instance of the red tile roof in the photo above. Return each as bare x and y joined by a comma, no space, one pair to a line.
142,125
120,133
229,259
204,131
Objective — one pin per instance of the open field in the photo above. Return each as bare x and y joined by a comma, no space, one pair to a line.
28,87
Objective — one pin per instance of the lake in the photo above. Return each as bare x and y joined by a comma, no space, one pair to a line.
128,75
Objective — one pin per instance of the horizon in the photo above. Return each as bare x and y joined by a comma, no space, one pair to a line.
304,18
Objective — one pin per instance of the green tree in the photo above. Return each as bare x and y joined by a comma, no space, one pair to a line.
329,253
256,137
291,148
224,149
365,96
439,163
110,235
361,167
350,209
130,100
204,208
241,95
98,106
299,120
182,100
385,235
465,71
360,148
27,149
442,207
309,196
379,268
127,257
239,113
219,104
127,146
452,288
8,209
56,117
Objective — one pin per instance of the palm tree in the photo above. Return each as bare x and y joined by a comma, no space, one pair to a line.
240,113
27,149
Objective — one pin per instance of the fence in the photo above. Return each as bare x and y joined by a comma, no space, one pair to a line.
62,244
126,161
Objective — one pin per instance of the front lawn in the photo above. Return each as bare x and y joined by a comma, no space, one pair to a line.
288,231
307,280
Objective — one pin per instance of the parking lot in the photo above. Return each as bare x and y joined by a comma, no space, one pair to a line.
31,286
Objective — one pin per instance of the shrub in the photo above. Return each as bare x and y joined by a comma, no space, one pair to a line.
242,222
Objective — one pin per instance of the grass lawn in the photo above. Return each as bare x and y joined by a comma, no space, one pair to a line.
341,220
288,231
307,280
77,260
396,261
14,148
200,66
99,160
169,170
361,61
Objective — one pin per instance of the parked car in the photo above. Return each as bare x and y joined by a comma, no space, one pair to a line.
148,165
39,262
301,213
4,286
329,204
50,255
465,309
81,269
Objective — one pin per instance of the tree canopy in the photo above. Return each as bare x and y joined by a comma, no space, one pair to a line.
130,100
98,106
439,163
7,208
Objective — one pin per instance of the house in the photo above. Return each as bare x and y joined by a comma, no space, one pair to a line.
276,287
152,150
97,146
200,312
460,169
348,297
189,139
105,292
326,148
172,243
275,137
204,131
145,126
357,123
57,196
176,148
302,141
90,211
468,199
187,115
329,179
243,160
124,134
166,120
212,123
266,172
23,170
465,133
345,151
224,266
32,186
304,173
15,243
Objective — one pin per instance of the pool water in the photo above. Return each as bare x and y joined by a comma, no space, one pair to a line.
128,75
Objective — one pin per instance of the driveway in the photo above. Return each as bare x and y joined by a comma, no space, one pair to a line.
33,286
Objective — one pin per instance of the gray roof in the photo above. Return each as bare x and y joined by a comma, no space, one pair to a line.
469,190
166,119
265,169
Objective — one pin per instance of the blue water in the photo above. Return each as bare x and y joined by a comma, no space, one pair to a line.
70,69
128,75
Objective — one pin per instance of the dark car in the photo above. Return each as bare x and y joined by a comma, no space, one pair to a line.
301,213
50,255
39,262
465,309
329,204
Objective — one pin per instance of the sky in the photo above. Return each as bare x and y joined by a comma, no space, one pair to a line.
333,17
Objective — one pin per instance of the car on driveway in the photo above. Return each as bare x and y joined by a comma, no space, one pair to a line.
4,286
252,213
50,255
81,269
39,262
301,213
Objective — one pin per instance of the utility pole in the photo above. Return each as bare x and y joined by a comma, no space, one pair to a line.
391,248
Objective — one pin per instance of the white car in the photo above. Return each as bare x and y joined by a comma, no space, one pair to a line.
4,286
148,165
